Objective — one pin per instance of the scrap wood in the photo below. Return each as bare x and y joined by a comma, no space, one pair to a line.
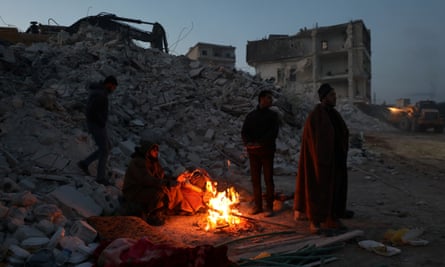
254,236
272,250
339,238
278,242
318,241
306,256
252,219
263,221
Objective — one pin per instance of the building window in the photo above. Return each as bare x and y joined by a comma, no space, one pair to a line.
293,75
204,53
324,45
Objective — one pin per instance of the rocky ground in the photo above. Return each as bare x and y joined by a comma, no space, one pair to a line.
401,188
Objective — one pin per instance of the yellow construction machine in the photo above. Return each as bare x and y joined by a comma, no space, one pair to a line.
421,116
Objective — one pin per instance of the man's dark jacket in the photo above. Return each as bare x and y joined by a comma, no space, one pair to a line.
97,106
260,130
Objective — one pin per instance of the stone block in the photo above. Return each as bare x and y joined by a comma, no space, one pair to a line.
210,133
84,231
82,204
127,147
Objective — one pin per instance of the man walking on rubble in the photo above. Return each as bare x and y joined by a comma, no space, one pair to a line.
97,116
259,132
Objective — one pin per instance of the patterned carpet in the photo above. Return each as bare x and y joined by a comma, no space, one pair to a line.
113,227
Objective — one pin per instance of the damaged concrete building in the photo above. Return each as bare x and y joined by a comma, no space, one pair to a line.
338,54
47,204
213,54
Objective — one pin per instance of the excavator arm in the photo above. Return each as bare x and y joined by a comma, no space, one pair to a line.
111,22
39,33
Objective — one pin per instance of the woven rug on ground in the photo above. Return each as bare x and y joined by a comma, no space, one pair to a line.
113,227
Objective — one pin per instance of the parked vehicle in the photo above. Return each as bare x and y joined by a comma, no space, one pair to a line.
421,116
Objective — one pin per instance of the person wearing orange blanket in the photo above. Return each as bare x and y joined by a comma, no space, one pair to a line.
193,183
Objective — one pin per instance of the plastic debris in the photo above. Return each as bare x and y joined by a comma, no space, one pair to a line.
379,248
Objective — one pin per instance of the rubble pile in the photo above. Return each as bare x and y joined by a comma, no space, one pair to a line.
195,112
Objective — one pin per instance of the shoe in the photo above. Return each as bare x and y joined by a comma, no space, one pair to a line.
333,231
255,211
83,167
314,228
155,220
201,210
170,212
299,216
185,213
348,214
269,213
156,217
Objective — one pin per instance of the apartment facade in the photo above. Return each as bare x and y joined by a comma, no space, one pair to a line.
213,54
338,54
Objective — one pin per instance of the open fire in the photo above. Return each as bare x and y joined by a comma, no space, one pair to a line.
222,207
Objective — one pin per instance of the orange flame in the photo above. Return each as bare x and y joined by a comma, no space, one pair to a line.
221,210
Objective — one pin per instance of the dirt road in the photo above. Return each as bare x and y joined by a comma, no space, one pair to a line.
402,185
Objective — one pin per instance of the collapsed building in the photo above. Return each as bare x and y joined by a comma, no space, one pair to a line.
194,111
338,54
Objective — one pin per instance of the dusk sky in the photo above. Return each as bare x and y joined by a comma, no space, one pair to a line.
407,36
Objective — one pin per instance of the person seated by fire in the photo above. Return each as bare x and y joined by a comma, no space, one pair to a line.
147,191
197,189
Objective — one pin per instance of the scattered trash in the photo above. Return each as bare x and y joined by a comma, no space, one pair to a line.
379,248
405,236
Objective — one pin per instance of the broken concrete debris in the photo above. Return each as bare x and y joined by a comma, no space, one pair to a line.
195,112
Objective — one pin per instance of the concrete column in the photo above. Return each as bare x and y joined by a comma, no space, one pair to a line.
351,55
314,59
